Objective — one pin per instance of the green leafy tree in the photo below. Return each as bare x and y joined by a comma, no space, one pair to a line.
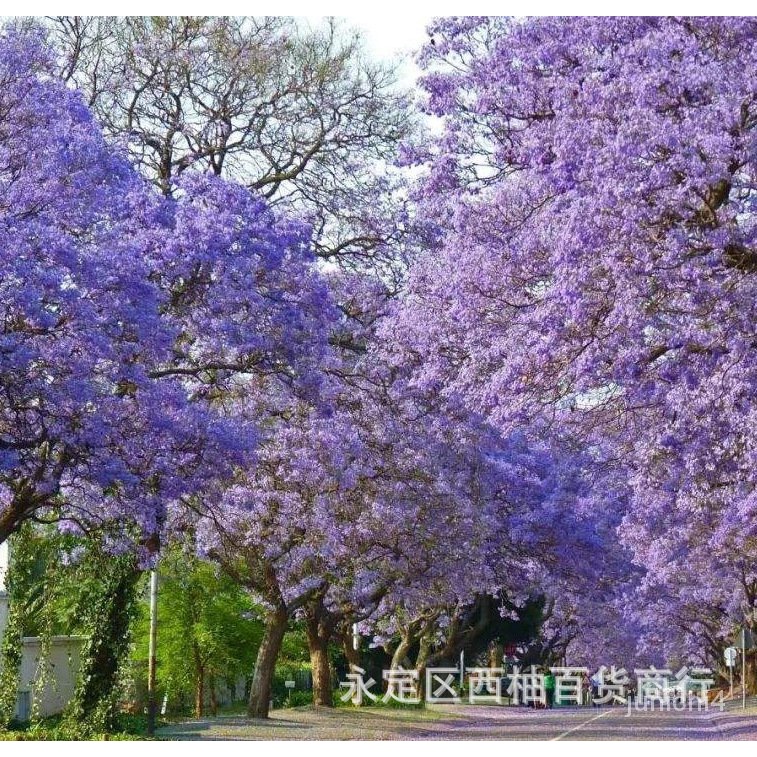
208,633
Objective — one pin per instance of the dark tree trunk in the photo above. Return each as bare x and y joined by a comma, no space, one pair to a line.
320,628
260,690
352,654
496,654
213,696
319,661
15,515
8,525
199,686
421,663
401,652
751,672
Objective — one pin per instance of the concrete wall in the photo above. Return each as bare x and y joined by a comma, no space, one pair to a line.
63,661
3,595
3,565
63,664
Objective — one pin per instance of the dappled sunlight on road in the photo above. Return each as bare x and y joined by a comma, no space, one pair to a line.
474,722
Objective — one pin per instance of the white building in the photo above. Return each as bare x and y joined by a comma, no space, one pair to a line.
63,661
3,594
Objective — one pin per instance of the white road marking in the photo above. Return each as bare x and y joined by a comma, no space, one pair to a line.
581,725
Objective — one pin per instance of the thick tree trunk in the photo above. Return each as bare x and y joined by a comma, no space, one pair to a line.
496,654
352,654
320,624
213,696
13,516
319,660
7,526
260,690
199,692
398,658
751,672
421,663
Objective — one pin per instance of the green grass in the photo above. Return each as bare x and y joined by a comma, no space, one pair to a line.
56,728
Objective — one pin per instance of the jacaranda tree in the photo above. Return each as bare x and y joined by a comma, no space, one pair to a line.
595,180
81,319
127,316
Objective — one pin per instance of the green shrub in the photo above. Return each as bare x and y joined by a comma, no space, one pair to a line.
300,699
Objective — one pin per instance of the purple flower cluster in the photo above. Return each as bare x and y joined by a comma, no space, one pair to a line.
129,320
595,183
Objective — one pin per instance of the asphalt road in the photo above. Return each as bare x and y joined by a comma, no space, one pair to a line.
475,722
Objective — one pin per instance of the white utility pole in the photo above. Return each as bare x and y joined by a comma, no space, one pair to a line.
743,668
151,670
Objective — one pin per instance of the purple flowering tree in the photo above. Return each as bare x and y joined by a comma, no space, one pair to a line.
595,182
144,338
81,320
131,321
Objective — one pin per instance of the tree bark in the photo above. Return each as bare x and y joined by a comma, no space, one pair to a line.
751,672
496,654
260,690
14,515
199,691
213,696
319,660
352,654
421,663
400,653
320,628
8,525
